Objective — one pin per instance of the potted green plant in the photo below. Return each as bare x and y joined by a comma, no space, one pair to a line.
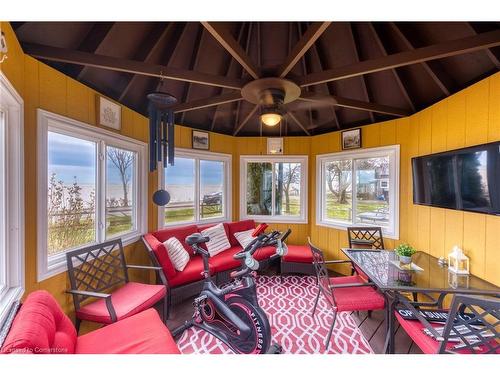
405,252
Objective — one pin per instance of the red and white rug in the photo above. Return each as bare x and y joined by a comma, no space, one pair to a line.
288,305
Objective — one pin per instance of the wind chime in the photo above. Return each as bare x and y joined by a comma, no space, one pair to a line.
161,134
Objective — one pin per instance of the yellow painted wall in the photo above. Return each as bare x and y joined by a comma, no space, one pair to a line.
469,117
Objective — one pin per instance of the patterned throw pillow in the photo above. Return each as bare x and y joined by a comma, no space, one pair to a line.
218,239
177,254
245,237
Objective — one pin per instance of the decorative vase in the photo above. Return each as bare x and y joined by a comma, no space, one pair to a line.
404,260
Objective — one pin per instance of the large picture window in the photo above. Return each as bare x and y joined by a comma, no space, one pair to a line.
274,188
359,188
199,188
91,189
11,198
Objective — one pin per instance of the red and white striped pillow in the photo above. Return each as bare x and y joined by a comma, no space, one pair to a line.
245,237
177,254
218,239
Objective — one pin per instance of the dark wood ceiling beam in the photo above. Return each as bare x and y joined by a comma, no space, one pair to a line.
400,83
312,33
304,70
207,102
432,72
436,51
149,47
193,65
128,66
224,37
245,120
91,43
354,44
330,89
494,59
355,104
296,120
229,67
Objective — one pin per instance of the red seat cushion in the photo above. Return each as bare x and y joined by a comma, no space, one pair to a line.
224,261
192,272
298,254
426,343
361,298
238,226
178,232
40,327
265,252
128,300
143,333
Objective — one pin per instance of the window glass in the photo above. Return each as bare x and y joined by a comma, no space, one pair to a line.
259,188
180,183
211,189
287,196
71,198
338,189
120,191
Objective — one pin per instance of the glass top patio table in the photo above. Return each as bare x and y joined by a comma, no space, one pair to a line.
379,267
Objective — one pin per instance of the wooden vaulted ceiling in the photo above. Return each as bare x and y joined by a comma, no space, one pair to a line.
368,71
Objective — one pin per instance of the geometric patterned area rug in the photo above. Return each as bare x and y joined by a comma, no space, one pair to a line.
288,305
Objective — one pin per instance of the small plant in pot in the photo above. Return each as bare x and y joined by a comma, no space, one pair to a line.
405,252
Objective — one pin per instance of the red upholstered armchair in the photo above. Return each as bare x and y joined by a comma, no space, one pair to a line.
100,272
41,327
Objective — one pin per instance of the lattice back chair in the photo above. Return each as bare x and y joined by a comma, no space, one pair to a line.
365,238
344,293
480,334
100,271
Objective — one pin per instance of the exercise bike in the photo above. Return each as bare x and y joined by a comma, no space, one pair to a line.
232,313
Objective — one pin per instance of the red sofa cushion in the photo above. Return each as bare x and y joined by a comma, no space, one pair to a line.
161,255
192,272
128,300
143,333
224,261
265,252
178,232
238,226
362,298
40,327
298,254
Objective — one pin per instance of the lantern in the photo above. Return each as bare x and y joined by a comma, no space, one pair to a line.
458,262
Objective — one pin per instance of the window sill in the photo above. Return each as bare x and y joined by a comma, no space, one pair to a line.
57,263
341,226
275,219
201,222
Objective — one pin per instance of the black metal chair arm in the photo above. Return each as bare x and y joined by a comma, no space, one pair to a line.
138,267
350,285
87,293
337,261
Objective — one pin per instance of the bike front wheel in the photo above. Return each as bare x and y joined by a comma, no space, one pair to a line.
259,338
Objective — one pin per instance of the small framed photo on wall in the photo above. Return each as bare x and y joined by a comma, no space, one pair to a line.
108,113
351,139
201,140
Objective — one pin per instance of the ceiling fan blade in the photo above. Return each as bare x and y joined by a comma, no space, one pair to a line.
207,102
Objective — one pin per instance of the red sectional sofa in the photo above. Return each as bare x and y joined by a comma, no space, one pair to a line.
182,285
41,327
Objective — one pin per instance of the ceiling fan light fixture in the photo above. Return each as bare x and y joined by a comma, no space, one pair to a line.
271,118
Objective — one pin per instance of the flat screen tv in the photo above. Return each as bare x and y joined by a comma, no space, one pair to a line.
466,179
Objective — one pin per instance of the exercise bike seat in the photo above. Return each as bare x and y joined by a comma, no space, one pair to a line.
196,238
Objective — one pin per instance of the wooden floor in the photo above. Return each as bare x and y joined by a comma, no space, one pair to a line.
373,328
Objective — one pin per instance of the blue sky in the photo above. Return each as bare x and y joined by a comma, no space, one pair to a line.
69,157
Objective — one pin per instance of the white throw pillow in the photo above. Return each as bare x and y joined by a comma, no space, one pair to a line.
218,239
245,237
177,254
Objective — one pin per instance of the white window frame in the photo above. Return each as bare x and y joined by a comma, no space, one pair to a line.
392,231
12,194
303,160
198,155
47,121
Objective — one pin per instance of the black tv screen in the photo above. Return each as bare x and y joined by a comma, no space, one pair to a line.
465,179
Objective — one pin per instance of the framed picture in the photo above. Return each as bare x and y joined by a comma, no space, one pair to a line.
351,139
109,113
275,146
201,140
